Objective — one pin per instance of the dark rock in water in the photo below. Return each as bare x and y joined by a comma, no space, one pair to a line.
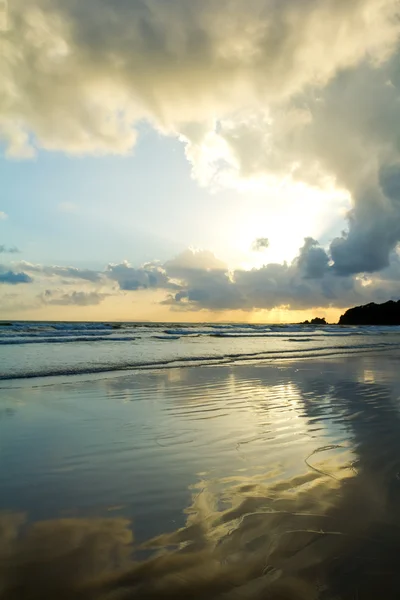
373,314
316,321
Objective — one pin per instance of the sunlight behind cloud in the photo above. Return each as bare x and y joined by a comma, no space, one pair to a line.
292,211
263,133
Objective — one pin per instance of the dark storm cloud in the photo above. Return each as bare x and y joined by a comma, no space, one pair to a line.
374,226
312,260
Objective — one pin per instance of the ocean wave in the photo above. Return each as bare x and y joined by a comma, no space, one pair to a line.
174,334
59,333
108,328
272,332
188,332
25,325
282,335
64,340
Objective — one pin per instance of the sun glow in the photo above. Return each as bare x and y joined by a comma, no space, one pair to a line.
291,214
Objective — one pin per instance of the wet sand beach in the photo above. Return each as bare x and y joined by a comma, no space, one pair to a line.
274,480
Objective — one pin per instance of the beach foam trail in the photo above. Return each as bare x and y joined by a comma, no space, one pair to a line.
70,338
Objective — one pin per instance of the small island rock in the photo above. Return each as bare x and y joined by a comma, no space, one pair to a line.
315,321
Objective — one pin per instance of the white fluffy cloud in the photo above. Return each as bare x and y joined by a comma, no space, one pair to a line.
80,75
265,89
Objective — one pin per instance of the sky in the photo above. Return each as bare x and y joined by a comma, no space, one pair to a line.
198,161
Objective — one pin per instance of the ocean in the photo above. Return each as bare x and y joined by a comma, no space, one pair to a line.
43,349
201,461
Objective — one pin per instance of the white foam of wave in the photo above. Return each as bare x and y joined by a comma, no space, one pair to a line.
62,340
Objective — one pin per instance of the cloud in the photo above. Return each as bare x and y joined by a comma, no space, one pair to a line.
13,278
3,216
75,298
360,146
128,278
263,90
309,281
343,135
197,280
172,64
312,261
65,272
260,244
192,263
8,249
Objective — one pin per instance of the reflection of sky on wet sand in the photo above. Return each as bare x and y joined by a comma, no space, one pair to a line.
290,469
